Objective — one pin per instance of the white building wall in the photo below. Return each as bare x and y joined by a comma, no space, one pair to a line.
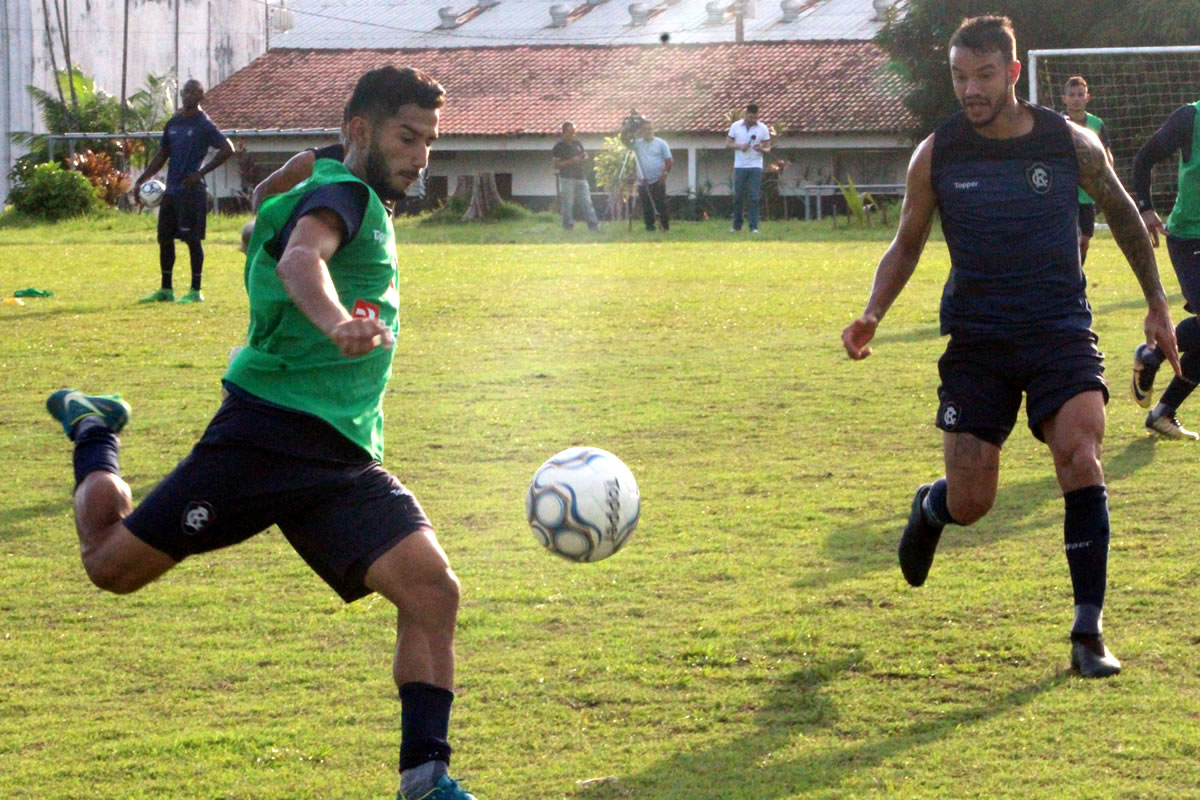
813,161
204,39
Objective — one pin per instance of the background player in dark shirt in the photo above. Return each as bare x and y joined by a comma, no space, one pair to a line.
186,140
570,159
1179,134
1004,176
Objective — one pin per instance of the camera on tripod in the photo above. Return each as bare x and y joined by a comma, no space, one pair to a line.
630,126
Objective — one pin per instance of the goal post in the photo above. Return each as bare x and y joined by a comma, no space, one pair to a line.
1133,89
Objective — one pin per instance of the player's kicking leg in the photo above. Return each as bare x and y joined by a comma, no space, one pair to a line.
416,576
1074,435
114,558
962,497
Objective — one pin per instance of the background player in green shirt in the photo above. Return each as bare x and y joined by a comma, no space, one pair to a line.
298,440
1075,98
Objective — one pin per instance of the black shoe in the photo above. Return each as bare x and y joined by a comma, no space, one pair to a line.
1091,658
919,542
1142,386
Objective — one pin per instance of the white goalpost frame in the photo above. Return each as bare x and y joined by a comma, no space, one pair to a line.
1095,51
1083,52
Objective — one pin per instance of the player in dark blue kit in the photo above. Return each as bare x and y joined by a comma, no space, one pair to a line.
1004,176
1180,133
186,140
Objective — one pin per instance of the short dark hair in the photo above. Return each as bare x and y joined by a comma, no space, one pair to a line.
567,124
1075,80
752,108
380,93
987,34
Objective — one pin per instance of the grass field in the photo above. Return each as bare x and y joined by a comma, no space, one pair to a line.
755,641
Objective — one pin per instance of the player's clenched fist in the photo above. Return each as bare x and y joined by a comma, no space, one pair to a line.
359,336
856,336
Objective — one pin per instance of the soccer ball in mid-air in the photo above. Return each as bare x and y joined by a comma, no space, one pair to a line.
583,504
151,193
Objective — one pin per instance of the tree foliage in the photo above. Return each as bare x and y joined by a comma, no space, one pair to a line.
916,34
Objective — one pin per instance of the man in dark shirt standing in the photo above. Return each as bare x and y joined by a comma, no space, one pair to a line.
1180,133
570,159
186,140
1004,176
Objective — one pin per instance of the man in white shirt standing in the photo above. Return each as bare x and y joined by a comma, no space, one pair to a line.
749,139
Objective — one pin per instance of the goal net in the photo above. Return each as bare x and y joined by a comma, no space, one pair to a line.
1133,89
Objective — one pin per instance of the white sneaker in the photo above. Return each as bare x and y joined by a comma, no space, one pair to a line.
1168,427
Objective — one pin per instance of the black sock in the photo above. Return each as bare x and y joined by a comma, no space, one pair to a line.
197,253
1187,334
166,261
935,508
424,724
96,448
1180,387
1086,537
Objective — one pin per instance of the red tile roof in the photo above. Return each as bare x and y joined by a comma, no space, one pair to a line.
808,87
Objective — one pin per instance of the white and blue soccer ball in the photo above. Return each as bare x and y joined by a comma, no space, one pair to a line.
583,504
151,193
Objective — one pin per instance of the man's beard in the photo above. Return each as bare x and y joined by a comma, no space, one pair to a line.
378,177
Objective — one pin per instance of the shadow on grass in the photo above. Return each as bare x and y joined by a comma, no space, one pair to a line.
749,766
870,544
13,517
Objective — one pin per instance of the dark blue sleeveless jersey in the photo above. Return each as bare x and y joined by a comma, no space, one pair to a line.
1009,211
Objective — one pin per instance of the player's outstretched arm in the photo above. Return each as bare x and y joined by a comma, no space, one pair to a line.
305,276
1098,179
297,168
898,263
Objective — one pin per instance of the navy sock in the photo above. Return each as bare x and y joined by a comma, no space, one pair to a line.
1187,335
424,724
96,448
935,508
1179,388
196,251
1086,537
166,261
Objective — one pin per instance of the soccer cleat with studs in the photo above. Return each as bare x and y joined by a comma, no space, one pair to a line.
193,296
69,406
919,541
1142,386
159,296
445,789
1090,658
1168,427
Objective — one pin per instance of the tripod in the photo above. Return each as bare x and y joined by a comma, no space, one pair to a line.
631,154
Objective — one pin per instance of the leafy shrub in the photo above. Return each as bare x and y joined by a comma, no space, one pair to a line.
51,192
98,168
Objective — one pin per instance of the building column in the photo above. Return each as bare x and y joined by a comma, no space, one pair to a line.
691,171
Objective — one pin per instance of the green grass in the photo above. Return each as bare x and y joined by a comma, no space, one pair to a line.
754,640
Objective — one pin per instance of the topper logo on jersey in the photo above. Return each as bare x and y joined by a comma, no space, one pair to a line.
365,310
1039,177
197,516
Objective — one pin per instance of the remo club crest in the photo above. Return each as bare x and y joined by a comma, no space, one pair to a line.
1039,178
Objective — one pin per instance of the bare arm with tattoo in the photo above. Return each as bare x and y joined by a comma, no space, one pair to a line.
1097,178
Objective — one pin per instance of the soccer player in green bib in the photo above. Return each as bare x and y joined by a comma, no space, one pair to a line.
298,440
1076,97
1179,134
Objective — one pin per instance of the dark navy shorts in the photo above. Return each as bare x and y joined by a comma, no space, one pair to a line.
259,465
983,381
1185,258
183,215
1087,219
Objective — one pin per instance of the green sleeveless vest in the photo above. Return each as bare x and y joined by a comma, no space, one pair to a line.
1094,124
287,361
1184,221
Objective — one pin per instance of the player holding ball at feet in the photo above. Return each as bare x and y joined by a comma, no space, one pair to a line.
1004,176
